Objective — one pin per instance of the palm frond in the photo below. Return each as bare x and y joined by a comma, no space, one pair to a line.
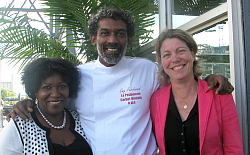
73,16
22,43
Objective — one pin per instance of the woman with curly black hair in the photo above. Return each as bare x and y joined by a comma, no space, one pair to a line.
50,82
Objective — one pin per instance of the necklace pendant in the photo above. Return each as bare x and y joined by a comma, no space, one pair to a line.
185,106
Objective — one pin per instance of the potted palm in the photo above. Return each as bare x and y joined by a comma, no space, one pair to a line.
23,43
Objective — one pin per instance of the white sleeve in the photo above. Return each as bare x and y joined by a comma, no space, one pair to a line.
10,141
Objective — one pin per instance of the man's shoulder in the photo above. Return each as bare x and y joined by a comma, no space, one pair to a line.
139,59
87,65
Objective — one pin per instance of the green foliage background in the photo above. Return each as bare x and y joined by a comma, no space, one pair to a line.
23,43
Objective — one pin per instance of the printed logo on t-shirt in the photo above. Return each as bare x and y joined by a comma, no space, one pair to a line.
130,95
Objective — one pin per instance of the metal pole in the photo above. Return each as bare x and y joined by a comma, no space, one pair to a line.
165,14
162,15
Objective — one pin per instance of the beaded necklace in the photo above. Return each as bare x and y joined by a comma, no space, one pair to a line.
50,124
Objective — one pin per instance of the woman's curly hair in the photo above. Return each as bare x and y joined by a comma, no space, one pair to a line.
40,69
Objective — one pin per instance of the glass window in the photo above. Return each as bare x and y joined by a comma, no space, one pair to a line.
213,50
184,11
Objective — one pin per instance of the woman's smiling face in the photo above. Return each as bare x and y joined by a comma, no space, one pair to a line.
53,95
177,59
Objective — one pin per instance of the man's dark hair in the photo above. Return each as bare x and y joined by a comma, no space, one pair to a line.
116,14
40,69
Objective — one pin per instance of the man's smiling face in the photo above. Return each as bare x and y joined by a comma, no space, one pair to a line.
111,41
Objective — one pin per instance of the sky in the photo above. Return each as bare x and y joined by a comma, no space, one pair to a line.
8,73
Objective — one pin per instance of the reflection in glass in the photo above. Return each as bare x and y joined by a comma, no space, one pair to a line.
213,49
186,10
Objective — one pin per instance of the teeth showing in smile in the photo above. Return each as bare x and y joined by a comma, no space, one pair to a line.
112,49
55,102
179,67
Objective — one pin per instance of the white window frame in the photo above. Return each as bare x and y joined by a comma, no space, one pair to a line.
237,64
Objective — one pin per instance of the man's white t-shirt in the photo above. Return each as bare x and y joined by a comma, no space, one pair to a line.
113,103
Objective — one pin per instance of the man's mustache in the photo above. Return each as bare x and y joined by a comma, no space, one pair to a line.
110,45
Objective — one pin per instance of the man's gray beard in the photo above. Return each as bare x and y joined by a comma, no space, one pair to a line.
112,61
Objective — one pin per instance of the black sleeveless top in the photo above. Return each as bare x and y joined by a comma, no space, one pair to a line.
78,147
181,137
